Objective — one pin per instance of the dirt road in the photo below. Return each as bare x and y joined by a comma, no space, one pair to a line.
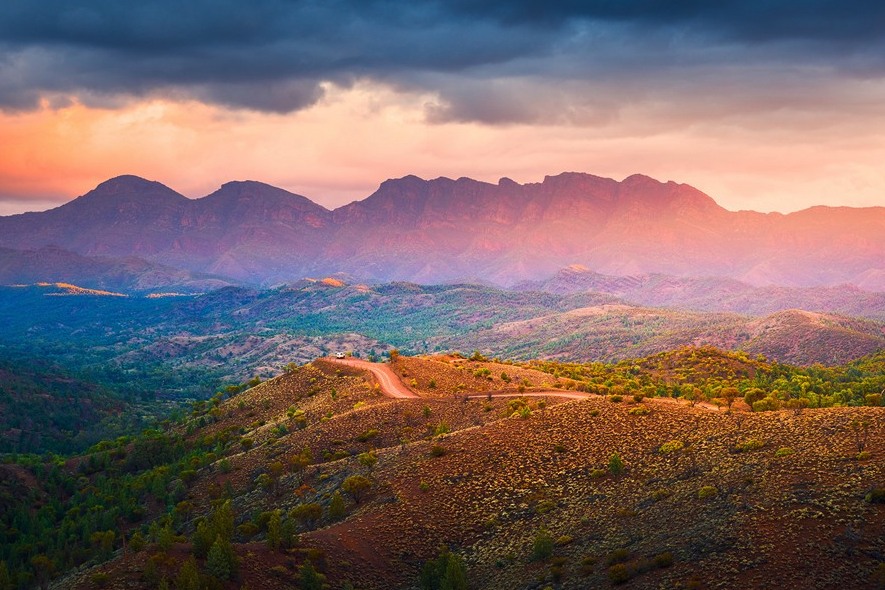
391,386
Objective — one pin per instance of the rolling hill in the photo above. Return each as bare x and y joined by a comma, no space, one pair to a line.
714,294
235,333
317,477
130,275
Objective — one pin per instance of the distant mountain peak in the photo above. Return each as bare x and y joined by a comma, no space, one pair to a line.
240,193
642,179
129,183
131,187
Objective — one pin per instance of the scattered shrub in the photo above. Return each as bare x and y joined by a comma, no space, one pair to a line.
615,398
367,435
247,530
587,564
639,411
658,495
437,451
784,452
662,560
618,574
477,357
751,444
545,506
100,579
876,495
542,545
367,459
617,556
671,446
707,492
769,404
615,464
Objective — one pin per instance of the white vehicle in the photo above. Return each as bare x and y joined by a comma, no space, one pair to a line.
339,355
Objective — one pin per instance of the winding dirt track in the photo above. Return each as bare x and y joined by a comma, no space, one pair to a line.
392,386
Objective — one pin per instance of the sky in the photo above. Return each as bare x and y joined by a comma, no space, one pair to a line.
771,105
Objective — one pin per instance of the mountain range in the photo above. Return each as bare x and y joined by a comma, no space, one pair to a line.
442,230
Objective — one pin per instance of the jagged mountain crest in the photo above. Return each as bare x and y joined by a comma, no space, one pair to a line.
443,230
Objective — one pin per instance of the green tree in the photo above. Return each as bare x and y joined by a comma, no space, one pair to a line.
445,572
188,575
221,561
223,521
274,535
165,537
104,542
753,395
336,507
202,539
309,578
288,536
136,542
455,577
357,486
730,394
307,515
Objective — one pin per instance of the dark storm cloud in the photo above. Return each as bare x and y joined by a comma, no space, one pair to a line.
273,55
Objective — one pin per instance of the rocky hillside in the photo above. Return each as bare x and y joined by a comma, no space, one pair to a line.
317,476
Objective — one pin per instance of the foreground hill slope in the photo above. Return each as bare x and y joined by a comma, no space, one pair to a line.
444,230
524,492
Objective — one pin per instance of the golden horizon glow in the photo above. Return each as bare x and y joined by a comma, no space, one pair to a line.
340,149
